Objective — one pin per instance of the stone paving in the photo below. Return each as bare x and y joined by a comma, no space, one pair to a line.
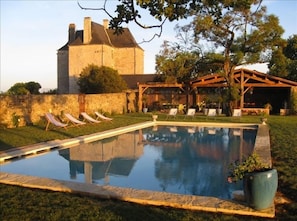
201,203
209,204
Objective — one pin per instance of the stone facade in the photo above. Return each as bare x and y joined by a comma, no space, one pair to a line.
98,45
31,108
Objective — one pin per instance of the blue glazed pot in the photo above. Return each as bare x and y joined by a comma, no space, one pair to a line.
260,188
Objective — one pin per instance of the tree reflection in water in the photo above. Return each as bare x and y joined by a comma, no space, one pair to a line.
195,160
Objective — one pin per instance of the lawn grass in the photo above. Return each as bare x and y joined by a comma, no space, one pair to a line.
21,136
17,203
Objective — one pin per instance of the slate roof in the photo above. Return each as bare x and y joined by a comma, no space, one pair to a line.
132,80
100,36
123,40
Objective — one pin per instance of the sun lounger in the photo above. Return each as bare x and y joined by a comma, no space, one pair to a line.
102,117
236,113
172,113
73,120
52,120
212,113
191,112
89,118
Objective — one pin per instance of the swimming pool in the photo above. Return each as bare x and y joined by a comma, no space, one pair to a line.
190,160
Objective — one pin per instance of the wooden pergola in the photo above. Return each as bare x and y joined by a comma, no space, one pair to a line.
245,79
143,87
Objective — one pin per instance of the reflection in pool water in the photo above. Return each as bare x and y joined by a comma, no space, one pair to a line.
184,160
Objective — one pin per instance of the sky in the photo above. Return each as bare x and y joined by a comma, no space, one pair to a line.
33,31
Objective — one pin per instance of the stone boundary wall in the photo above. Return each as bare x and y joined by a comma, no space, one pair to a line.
31,108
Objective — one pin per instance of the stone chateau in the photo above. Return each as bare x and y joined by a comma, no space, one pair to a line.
97,44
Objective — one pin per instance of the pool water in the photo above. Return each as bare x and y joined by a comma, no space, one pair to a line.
183,160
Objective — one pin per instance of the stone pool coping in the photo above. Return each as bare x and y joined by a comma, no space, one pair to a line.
201,203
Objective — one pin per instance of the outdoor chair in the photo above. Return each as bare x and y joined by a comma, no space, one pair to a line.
191,112
236,113
212,113
73,120
89,118
102,117
52,120
172,113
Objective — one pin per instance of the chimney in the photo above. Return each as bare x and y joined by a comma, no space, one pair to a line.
87,30
71,33
105,23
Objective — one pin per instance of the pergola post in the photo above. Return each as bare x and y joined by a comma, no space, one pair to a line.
242,92
140,90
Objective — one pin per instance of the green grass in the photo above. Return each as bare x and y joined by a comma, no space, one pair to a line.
17,203
22,136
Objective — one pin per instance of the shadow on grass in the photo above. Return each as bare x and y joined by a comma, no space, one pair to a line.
22,136
4,146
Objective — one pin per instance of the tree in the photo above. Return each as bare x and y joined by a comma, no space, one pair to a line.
283,62
33,87
278,63
240,30
175,65
127,11
94,79
210,62
24,88
291,48
185,59
18,89
290,52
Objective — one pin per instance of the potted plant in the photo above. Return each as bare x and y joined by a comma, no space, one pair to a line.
264,118
144,102
259,181
268,108
284,111
154,116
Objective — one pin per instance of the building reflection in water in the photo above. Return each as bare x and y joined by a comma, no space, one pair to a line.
96,160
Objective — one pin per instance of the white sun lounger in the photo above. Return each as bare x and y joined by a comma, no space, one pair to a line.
172,113
89,118
73,120
236,113
212,112
52,120
191,112
102,117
